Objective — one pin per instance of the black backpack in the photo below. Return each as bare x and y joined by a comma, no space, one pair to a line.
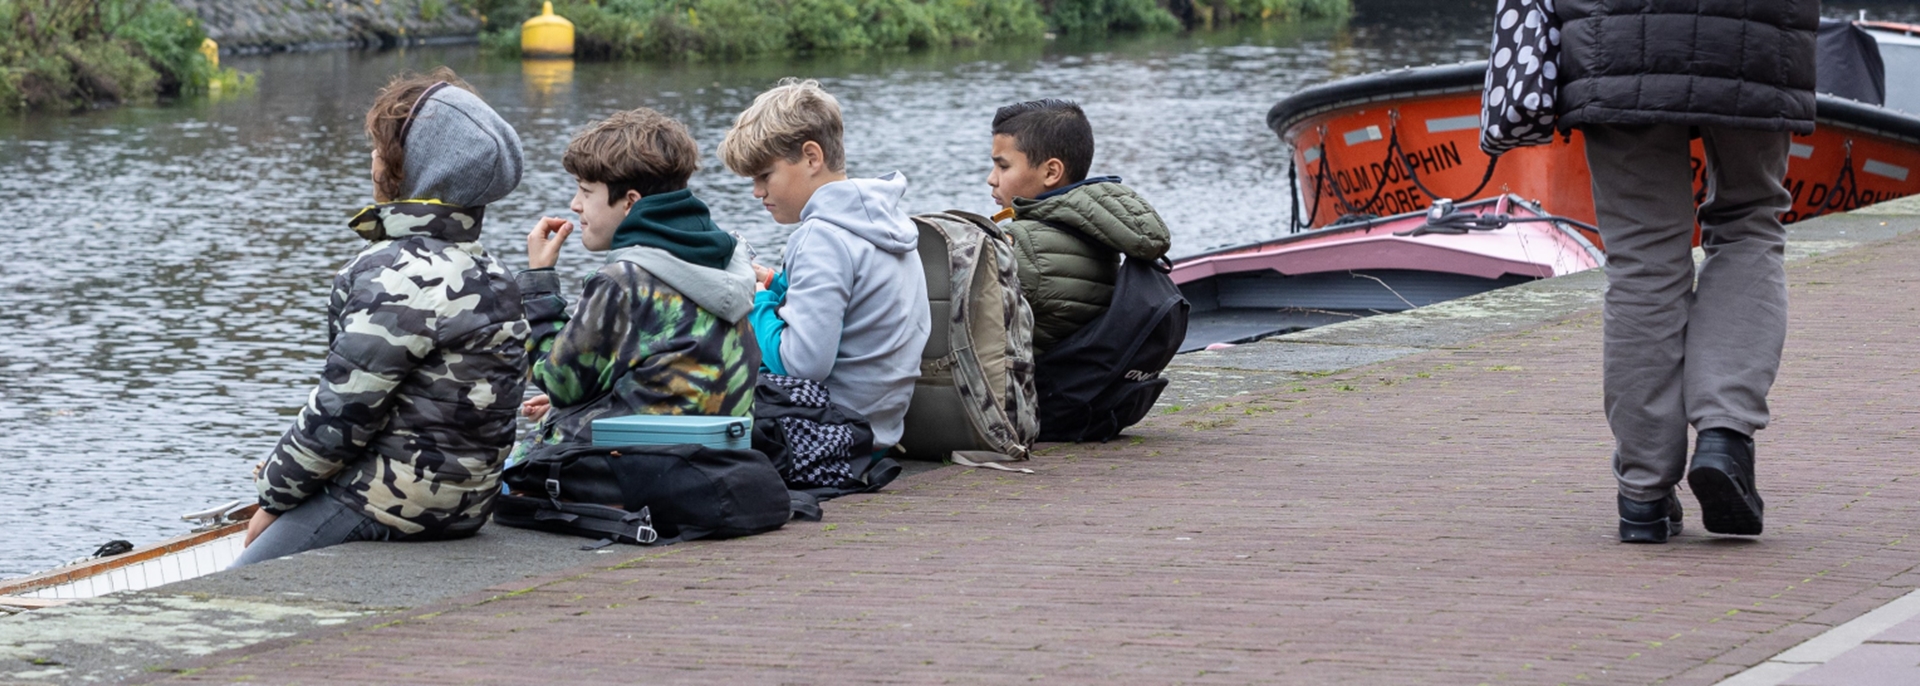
646,494
1106,376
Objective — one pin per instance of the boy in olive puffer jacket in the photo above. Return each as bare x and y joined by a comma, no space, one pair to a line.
1068,230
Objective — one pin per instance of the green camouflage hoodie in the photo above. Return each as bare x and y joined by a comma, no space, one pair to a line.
652,334
426,365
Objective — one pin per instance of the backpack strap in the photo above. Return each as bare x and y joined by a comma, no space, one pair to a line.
985,460
987,226
611,524
806,507
634,528
880,471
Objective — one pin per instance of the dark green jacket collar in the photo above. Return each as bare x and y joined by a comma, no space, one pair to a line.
678,223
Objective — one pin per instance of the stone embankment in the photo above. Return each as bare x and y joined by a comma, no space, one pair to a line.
252,26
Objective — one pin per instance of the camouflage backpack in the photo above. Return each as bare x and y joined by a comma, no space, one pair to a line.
978,363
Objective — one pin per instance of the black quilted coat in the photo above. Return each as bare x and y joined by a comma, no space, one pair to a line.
1736,63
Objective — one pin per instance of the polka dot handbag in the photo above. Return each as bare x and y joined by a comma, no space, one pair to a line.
1522,77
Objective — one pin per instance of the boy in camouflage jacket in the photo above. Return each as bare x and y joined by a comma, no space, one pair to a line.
405,435
661,328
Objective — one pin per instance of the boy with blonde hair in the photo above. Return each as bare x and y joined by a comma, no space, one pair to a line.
662,327
849,308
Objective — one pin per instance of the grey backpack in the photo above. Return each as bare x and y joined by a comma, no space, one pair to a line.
975,400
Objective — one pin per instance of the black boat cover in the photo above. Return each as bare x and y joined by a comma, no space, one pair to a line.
1848,63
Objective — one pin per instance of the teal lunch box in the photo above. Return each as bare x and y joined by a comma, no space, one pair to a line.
731,433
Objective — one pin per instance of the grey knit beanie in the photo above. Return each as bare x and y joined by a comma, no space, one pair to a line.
460,152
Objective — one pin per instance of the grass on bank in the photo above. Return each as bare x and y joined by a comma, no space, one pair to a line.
74,54
729,29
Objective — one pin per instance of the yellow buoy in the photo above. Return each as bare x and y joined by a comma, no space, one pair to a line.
547,35
212,51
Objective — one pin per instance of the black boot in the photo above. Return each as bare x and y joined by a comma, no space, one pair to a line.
1649,522
1722,478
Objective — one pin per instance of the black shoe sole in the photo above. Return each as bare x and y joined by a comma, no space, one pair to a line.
1648,532
1727,506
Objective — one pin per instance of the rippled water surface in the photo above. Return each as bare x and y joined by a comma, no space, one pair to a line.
162,298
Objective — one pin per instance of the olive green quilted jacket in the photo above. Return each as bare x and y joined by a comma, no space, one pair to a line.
1068,276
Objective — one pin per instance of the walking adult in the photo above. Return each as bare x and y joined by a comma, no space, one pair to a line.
1639,79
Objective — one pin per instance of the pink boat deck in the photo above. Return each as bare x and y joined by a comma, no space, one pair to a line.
1381,265
1536,249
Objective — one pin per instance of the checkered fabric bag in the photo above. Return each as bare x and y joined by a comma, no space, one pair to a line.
1522,77
822,440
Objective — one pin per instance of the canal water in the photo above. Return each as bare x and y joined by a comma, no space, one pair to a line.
163,292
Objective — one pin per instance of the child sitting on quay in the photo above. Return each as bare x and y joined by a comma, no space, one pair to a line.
1069,231
849,308
426,355
662,327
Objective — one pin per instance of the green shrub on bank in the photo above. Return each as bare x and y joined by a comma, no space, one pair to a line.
1081,17
726,29
1264,10
72,54
1106,16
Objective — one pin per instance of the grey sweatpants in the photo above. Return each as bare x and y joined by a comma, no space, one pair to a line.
1676,353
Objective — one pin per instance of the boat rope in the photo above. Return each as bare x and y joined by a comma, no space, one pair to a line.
1326,174
1846,178
1394,151
1295,224
1396,159
1444,218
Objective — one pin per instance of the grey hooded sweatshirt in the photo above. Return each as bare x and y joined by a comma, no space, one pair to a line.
856,306
460,152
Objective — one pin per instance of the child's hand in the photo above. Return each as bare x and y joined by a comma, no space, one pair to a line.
761,277
544,241
257,525
536,407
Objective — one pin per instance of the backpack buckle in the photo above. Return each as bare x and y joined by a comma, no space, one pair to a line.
553,489
643,532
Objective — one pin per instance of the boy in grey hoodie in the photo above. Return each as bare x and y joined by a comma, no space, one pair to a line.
849,308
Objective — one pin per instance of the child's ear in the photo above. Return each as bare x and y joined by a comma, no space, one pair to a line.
632,198
1054,172
813,156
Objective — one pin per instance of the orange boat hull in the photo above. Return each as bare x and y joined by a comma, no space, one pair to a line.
1345,155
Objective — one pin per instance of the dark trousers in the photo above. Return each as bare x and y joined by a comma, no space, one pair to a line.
1679,352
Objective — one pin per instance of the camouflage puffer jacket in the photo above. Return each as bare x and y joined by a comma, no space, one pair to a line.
1069,246
426,365
635,345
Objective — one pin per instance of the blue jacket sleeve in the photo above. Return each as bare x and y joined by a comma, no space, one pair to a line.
767,324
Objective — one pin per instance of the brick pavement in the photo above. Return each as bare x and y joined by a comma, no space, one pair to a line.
1443,518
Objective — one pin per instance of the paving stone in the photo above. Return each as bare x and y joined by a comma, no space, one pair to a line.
1905,632
1868,665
